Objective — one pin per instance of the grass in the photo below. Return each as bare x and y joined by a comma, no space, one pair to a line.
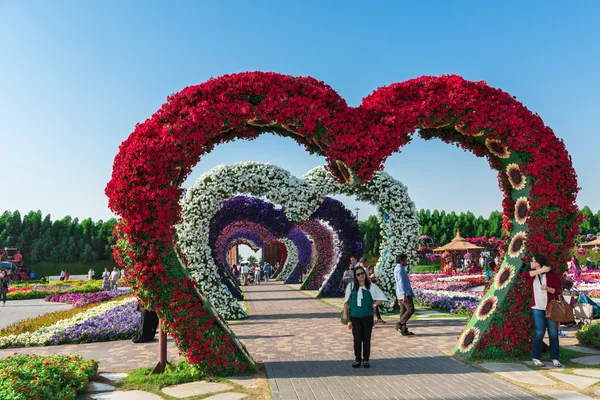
140,379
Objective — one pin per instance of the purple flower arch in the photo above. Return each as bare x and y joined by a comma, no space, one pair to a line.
344,224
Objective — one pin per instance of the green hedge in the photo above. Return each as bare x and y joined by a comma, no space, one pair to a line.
426,269
590,335
53,377
48,268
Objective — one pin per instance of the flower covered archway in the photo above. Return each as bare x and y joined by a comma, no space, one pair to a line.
534,170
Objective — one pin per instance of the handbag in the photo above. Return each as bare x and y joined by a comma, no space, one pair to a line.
559,310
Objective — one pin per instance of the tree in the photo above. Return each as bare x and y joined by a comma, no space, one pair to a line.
252,260
371,236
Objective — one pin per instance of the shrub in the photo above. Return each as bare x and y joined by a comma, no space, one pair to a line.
26,376
590,334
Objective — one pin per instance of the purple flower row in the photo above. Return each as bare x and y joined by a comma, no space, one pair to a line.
83,299
461,305
115,324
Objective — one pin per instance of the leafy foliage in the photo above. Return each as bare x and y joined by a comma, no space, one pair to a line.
28,376
63,241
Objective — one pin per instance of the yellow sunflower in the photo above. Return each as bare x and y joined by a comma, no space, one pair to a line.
517,179
486,308
495,147
504,276
469,338
460,129
517,244
521,210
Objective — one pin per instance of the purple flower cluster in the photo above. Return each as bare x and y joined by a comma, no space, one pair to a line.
115,324
344,224
83,299
250,209
461,305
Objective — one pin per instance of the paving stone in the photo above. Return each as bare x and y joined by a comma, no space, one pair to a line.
582,349
114,376
95,387
597,393
577,381
248,382
194,389
519,373
563,394
588,360
227,396
594,373
129,395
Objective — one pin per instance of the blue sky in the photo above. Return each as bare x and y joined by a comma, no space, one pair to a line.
75,78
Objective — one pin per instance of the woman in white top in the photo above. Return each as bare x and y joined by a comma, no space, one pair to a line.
361,300
546,285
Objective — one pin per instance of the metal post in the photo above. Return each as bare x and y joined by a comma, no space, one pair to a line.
162,350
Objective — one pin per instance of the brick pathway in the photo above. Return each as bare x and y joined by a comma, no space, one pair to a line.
308,354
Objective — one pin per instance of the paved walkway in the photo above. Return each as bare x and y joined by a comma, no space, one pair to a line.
308,354
17,310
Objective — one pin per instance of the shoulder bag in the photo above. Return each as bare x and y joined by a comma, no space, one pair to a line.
559,310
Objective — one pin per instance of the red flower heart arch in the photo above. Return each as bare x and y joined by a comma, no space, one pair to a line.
534,172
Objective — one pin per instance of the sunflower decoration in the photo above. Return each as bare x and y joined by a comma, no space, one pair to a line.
486,308
516,178
521,210
517,244
495,147
460,128
504,276
468,339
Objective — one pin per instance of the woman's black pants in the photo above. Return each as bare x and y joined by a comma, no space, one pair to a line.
361,330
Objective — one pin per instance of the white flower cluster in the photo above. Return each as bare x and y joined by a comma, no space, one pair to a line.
396,213
43,336
203,200
291,260
458,278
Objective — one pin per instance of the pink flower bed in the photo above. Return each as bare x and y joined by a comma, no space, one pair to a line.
83,299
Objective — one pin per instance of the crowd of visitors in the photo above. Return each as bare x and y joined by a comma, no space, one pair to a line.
253,274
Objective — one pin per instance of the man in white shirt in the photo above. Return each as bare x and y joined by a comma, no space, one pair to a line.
245,271
114,278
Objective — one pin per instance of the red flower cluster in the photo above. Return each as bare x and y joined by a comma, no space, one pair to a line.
154,161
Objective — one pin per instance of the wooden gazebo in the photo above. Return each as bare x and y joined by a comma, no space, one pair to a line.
452,252
593,243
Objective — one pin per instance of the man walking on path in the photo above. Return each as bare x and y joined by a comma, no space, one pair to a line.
245,271
267,269
114,279
404,294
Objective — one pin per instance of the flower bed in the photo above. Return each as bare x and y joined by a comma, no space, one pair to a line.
590,335
41,291
462,303
28,376
83,327
83,299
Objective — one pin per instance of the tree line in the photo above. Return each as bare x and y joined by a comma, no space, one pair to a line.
65,240
70,240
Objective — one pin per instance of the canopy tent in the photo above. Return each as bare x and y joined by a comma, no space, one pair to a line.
593,243
453,251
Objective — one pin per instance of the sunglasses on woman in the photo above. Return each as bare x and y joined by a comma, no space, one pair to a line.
360,274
